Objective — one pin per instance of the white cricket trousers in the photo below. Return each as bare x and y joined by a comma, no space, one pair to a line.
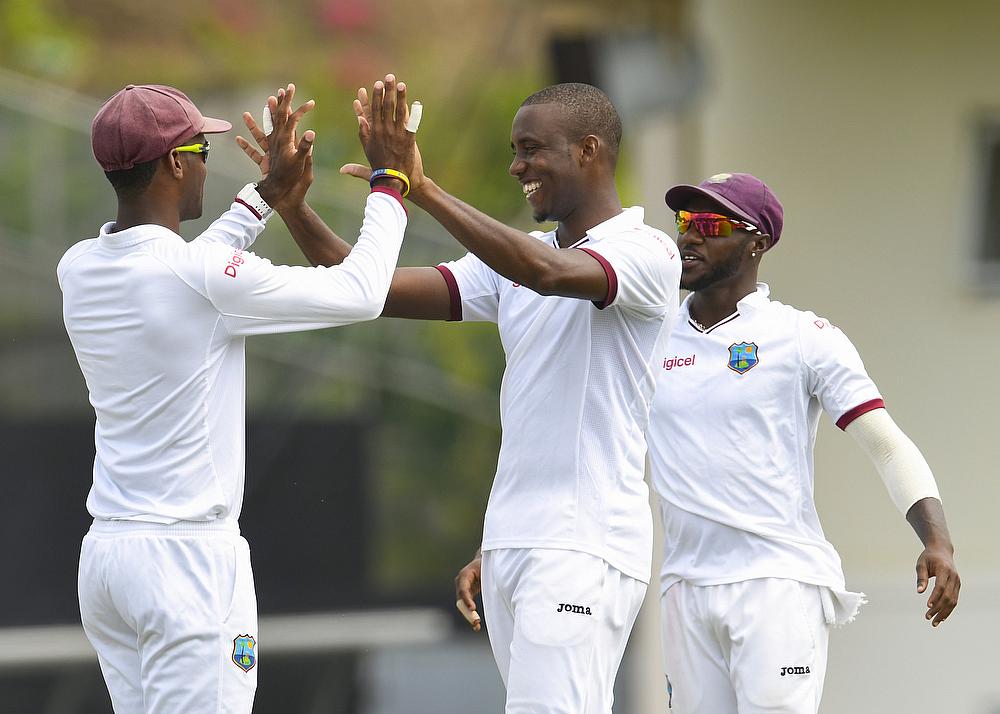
753,647
172,613
558,622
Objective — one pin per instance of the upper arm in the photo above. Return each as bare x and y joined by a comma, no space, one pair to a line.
836,375
582,274
418,294
636,271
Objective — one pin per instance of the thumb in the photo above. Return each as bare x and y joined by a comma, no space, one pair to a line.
922,575
357,171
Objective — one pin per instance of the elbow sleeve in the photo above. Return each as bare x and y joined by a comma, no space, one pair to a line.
903,469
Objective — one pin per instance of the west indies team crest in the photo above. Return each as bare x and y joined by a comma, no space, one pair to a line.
245,652
743,357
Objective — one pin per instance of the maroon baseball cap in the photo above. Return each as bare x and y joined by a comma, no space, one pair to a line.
144,122
746,196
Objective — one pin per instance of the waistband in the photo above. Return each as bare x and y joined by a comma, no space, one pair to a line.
121,527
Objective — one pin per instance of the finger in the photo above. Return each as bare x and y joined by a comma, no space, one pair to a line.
255,155
402,111
414,115
470,614
389,98
378,92
365,104
922,575
303,110
255,131
356,170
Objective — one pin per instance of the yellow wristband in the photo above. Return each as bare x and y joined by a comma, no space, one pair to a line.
390,173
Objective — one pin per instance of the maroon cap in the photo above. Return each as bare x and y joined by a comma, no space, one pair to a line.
144,122
746,196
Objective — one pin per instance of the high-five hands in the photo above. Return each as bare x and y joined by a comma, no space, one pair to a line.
286,162
386,132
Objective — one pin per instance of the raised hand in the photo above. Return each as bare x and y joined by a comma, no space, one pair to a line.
288,161
382,130
297,193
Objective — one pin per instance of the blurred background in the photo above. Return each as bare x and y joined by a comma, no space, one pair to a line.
372,447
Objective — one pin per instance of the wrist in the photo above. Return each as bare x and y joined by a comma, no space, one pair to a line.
250,196
389,182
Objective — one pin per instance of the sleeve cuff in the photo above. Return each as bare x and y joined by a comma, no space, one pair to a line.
392,192
849,416
455,314
612,278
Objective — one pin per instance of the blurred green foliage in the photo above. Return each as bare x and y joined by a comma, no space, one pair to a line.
433,457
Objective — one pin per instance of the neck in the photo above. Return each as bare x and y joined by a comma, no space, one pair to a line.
597,207
718,301
142,210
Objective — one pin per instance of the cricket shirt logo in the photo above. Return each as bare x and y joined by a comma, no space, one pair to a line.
743,357
574,609
245,652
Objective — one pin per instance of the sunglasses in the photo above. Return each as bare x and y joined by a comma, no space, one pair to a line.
712,224
196,149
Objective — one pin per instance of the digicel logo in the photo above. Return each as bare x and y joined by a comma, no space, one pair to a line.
237,259
670,362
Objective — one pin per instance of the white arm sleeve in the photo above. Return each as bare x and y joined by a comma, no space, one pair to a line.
899,462
236,228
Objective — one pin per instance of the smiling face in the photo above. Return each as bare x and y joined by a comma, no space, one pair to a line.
714,261
546,162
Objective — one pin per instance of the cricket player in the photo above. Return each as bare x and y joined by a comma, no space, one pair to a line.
158,326
582,311
750,586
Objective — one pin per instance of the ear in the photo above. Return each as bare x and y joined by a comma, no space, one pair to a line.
762,244
590,149
174,165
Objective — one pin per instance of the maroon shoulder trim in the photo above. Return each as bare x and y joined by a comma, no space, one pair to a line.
248,206
453,293
853,414
392,192
612,278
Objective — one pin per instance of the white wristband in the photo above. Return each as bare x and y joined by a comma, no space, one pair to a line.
249,197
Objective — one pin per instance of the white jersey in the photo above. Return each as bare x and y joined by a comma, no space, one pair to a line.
158,325
575,397
731,435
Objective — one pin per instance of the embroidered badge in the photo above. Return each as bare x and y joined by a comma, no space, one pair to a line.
743,357
245,652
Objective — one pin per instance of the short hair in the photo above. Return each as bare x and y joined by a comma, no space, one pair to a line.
133,181
590,111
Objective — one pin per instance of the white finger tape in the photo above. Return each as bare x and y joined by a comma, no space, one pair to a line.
265,121
471,616
416,111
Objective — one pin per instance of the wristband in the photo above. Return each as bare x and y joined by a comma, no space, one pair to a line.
390,173
249,197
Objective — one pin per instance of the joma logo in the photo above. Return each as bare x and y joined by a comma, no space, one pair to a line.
794,670
575,609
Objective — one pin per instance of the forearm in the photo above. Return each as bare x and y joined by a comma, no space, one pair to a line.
926,517
511,253
319,244
903,469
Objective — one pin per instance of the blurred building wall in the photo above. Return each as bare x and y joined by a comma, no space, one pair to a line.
862,117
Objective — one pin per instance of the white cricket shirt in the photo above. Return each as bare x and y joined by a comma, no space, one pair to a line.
575,396
731,437
158,325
